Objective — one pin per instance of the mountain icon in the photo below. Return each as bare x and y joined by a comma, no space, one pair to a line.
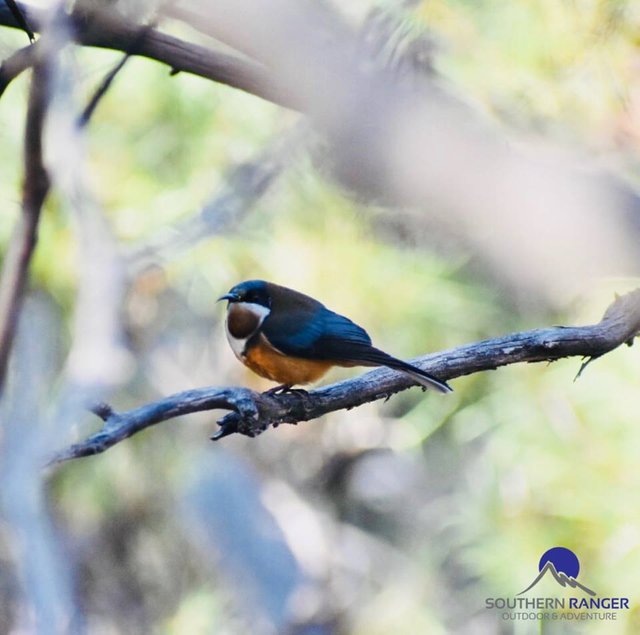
560,577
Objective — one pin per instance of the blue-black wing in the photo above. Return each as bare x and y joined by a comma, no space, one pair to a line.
316,334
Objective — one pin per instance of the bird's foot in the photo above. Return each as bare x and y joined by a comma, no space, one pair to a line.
285,389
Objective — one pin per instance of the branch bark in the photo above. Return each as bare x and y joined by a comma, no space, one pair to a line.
252,412
34,191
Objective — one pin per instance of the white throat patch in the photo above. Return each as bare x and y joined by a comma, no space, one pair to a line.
238,344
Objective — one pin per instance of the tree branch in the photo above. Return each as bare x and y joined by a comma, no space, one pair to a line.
20,19
107,30
34,191
244,185
252,412
110,77
20,61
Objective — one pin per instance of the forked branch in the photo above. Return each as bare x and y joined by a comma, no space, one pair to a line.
252,412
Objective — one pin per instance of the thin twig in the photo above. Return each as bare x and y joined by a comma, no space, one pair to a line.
252,412
18,62
101,91
20,19
108,80
34,191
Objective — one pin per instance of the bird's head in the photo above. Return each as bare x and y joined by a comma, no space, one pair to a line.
254,292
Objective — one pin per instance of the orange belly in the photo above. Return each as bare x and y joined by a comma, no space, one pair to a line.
269,363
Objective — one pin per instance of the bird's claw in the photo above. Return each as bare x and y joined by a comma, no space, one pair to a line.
285,389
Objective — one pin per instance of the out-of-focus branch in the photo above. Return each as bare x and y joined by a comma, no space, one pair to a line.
46,600
98,358
20,18
109,78
34,191
253,412
244,185
108,30
215,510
20,61
101,91
410,144
418,144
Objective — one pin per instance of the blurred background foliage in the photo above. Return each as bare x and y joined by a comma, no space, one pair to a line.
401,517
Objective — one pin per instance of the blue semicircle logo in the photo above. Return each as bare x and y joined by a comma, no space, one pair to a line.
563,559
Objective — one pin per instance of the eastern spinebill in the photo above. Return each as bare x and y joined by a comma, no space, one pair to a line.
291,338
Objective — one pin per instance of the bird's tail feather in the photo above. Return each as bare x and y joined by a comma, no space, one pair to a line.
375,357
424,379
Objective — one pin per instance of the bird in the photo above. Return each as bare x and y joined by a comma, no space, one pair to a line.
293,339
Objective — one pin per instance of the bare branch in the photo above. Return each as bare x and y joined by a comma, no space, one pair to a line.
34,191
109,31
20,61
20,19
101,91
109,78
252,412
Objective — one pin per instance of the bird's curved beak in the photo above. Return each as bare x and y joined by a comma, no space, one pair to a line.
232,297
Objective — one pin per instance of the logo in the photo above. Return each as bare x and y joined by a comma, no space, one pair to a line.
563,565
558,571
